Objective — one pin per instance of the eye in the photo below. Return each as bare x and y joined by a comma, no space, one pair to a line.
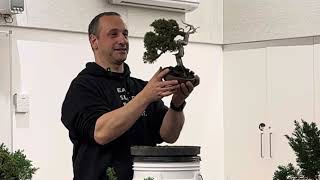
125,34
113,33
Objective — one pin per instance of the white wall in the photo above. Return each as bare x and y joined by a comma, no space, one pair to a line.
316,54
5,100
75,15
208,17
49,47
248,20
44,62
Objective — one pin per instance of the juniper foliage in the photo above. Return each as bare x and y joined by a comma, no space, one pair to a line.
305,141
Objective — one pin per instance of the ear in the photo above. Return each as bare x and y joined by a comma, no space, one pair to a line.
93,41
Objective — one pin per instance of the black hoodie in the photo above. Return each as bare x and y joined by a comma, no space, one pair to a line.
92,93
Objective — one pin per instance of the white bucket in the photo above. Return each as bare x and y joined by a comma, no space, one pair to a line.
167,171
166,163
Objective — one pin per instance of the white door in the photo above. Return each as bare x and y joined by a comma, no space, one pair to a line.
244,110
5,101
291,96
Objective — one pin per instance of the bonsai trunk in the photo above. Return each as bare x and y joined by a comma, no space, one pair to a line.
179,63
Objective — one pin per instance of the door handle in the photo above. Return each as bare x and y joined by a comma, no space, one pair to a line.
261,145
270,144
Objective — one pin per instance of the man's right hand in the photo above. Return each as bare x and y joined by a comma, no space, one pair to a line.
156,88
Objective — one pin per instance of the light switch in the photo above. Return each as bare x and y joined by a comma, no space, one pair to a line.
21,102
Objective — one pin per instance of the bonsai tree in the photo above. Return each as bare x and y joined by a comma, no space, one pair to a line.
163,39
15,166
305,141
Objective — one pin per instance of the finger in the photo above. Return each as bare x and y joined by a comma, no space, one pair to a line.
190,86
163,73
157,73
168,83
170,88
166,93
184,89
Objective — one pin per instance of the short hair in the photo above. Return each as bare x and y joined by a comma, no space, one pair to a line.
94,24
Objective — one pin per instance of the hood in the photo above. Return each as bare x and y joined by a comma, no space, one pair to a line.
94,69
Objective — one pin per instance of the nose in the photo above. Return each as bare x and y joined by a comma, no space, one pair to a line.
123,39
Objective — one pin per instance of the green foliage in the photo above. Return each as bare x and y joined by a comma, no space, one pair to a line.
286,173
306,144
305,141
149,178
15,166
111,174
161,40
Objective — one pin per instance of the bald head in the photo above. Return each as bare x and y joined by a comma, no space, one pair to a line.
94,24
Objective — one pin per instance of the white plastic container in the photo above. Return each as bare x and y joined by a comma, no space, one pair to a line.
166,163
167,171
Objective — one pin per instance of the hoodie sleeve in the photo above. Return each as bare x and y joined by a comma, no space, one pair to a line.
81,108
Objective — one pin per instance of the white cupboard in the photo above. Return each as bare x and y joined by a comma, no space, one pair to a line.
290,97
273,85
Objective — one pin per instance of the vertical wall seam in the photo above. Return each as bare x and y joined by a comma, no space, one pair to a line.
267,84
313,80
10,90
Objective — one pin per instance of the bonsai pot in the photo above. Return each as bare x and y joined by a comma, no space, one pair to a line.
183,75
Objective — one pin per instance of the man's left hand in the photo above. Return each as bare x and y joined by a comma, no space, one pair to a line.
183,92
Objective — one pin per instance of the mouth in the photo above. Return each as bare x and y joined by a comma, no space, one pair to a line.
121,50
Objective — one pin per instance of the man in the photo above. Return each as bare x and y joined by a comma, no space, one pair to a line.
106,111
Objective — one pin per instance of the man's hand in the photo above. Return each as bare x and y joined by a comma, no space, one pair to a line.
156,88
183,92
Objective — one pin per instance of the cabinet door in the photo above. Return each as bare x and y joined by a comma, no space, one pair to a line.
5,101
291,95
244,109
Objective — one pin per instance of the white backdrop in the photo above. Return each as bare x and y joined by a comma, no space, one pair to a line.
45,62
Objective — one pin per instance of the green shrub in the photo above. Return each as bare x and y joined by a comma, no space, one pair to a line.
305,141
15,166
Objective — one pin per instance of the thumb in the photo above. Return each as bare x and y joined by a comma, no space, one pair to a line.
157,73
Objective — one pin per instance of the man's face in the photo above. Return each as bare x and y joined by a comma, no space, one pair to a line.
112,41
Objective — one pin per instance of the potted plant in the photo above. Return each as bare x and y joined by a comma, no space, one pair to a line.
305,141
15,166
163,39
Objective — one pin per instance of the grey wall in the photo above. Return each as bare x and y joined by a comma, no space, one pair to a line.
247,20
